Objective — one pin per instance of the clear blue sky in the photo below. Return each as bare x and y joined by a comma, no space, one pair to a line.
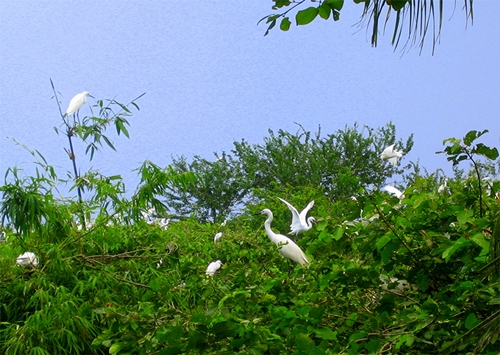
211,77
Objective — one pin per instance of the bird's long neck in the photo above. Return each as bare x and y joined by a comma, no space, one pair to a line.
269,231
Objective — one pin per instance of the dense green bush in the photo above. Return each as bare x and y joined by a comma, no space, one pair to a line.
339,164
412,276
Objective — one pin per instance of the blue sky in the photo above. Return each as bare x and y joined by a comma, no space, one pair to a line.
211,77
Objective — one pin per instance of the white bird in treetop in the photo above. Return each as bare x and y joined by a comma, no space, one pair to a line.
27,259
299,221
286,246
213,267
443,186
394,191
391,154
217,237
77,102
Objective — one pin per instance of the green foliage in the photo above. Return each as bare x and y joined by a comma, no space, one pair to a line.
220,186
413,18
460,150
412,276
340,163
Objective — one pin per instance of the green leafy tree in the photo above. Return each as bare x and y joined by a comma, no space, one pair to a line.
413,21
464,149
219,189
416,275
339,163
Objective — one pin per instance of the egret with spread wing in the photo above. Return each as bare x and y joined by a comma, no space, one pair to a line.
391,155
299,221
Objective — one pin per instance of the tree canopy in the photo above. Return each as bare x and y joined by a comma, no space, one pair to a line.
413,274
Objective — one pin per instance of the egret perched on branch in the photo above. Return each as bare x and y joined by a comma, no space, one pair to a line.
77,102
299,221
391,154
213,267
286,246
27,259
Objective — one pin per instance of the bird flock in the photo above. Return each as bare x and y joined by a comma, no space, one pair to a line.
286,246
301,223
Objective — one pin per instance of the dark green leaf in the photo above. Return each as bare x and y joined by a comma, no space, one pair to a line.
397,4
199,318
336,15
471,321
306,16
490,153
285,24
423,281
226,329
154,284
326,333
338,233
470,137
324,11
304,342
335,4
273,23
280,3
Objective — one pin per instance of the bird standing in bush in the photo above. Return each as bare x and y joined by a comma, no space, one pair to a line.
286,246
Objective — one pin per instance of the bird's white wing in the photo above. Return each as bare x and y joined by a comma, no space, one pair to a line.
213,267
394,191
393,161
76,102
303,214
295,216
386,153
292,251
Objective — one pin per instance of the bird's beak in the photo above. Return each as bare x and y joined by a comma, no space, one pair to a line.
91,96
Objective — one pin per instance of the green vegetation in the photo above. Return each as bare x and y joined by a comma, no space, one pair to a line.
418,275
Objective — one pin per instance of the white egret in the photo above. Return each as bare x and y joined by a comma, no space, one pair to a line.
286,246
77,102
223,223
163,223
27,259
394,191
391,155
299,221
213,267
217,237
443,186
